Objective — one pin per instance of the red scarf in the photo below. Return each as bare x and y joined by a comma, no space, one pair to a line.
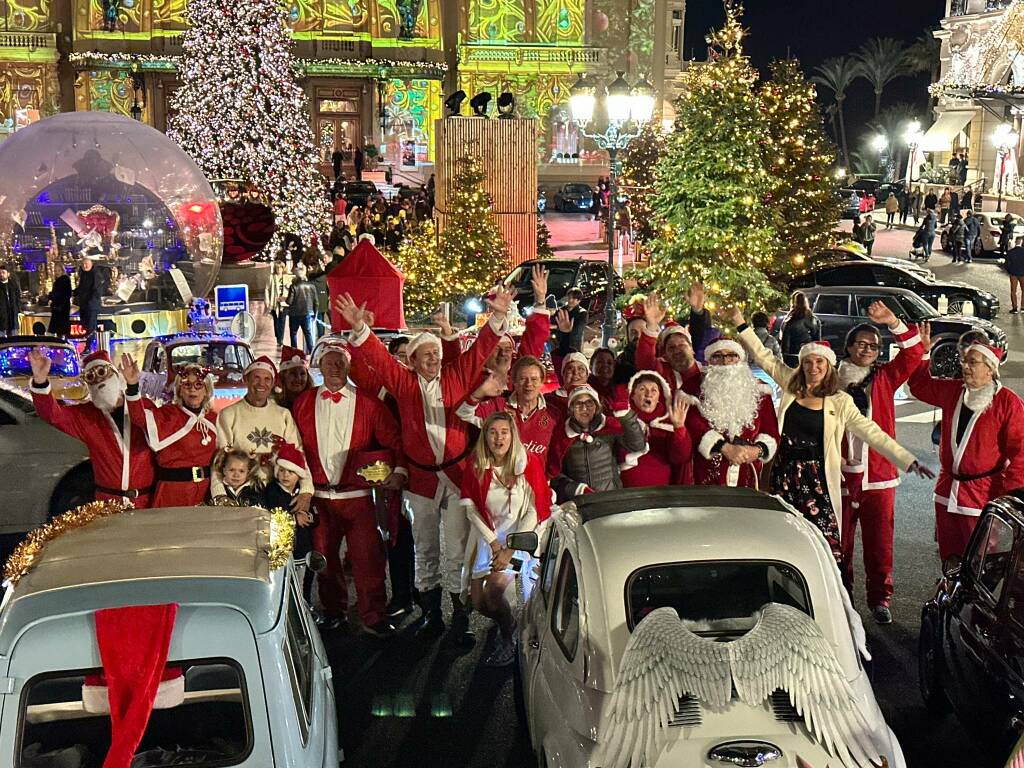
476,489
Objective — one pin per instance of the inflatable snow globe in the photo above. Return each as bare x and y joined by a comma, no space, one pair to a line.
104,187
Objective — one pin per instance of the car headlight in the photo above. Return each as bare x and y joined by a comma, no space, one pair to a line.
474,305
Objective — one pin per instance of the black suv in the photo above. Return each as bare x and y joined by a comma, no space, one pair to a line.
591,277
872,273
971,647
840,308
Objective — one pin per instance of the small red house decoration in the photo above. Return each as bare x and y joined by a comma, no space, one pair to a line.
368,277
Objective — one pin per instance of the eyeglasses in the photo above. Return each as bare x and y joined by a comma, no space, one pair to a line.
196,384
721,357
866,345
98,374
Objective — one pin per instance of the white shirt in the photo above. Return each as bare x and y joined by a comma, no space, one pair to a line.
434,415
334,431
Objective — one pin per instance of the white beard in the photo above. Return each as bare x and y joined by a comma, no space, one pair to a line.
978,400
729,397
106,394
851,373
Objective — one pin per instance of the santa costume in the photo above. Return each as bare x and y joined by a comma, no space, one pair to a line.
981,448
335,428
535,428
122,463
666,461
183,441
870,479
649,346
734,408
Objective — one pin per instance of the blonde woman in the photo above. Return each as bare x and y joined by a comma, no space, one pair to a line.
814,416
504,490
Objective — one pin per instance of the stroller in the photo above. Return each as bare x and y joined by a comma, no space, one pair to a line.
918,251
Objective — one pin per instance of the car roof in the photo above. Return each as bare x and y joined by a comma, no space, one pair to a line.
45,340
862,265
190,337
185,555
1011,504
881,289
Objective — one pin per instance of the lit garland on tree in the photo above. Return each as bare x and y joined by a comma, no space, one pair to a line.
640,159
426,276
241,115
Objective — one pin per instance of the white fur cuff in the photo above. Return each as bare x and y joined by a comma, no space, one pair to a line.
710,439
768,442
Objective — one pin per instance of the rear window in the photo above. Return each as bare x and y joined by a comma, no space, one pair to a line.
14,361
218,356
717,598
210,727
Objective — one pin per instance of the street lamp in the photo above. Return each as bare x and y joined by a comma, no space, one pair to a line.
1004,138
628,109
913,136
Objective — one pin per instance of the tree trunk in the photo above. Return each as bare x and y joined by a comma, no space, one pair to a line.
878,101
842,131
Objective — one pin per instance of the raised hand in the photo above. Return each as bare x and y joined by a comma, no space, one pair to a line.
539,283
677,413
40,366
734,315
354,314
129,369
882,314
441,319
654,313
501,302
925,329
563,321
695,296
492,386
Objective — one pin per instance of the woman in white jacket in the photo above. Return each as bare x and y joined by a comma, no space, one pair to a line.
813,417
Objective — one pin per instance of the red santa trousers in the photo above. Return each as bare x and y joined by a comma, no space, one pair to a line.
953,531
180,493
355,521
139,502
874,510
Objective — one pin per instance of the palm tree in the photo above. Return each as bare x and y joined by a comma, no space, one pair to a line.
837,74
881,61
921,57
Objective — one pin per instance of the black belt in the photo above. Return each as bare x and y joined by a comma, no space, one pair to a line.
336,488
440,467
182,474
982,476
131,493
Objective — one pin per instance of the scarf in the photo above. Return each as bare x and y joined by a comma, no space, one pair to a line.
527,465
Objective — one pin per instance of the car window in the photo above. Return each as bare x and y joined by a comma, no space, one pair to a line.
719,598
300,657
18,400
14,361
994,554
560,280
565,616
547,578
917,309
865,300
1015,592
62,713
893,277
840,275
578,189
830,304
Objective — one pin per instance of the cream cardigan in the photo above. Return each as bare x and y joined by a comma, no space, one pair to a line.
841,415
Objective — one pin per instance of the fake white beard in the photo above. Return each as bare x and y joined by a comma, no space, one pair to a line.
851,373
106,394
978,400
729,396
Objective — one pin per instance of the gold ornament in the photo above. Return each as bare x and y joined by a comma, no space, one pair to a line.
375,473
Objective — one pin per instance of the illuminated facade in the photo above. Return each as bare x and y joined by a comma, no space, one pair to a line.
375,71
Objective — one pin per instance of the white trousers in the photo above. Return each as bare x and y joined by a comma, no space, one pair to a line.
440,530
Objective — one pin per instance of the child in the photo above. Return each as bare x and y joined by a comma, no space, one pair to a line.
289,468
238,470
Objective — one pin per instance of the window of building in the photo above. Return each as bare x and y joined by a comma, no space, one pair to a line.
677,32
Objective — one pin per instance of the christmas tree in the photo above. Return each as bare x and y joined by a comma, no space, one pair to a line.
471,248
712,186
635,182
240,113
427,280
544,249
800,158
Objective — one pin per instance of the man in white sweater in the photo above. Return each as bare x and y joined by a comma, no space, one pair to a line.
253,423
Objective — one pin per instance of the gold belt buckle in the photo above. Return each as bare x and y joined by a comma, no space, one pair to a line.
197,475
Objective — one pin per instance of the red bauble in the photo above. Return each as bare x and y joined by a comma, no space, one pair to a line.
247,228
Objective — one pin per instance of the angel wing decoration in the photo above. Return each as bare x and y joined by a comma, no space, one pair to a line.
785,650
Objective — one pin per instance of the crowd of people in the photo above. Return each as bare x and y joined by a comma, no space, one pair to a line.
483,452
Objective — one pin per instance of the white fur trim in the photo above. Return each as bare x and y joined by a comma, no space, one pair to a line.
327,346
723,345
987,353
666,392
814,348
419,340
133,398
45,390
770,443
169,694
581,488
711,437
575,357
908,343
283,464
900,327
583,389
259,365
672,330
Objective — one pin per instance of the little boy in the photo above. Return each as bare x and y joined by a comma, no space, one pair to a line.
289,469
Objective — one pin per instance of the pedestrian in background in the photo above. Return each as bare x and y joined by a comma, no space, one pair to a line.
357,161
944,201
972,231
1006,233
931,200
60,306
868,233
967,202
955,238
799,327
276,298
92,287
10,303
904,202
302,304
858,229
1015,268
892,207
916,204
759,322
928,228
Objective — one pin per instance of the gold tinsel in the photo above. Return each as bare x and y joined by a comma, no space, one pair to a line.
282,537
27,554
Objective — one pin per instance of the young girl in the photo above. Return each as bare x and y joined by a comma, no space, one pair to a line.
238,469
289,468
504,490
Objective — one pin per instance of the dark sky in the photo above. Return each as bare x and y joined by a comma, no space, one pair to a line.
814,30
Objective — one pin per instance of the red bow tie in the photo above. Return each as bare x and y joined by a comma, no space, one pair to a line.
335,396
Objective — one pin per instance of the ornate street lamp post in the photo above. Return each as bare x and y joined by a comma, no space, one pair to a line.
1004,138
913,136
628,109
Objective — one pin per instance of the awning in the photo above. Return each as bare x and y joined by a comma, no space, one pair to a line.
939,138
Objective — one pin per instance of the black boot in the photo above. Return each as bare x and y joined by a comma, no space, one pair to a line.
459,633
431,623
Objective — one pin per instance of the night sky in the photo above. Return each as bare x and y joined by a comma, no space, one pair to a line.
814,30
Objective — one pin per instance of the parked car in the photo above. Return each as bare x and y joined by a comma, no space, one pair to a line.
856,252
840,308
971,649
574,197
865,273
719,559
358,193
65,368
224,354
255,674
591,277
986,246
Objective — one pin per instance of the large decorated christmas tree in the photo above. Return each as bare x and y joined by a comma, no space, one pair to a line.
426,276
240,113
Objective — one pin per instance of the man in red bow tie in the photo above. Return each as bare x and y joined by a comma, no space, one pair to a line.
336,423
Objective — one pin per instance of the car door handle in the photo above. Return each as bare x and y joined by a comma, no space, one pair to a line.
534,643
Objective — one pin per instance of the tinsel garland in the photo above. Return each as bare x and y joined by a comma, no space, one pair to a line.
282,537
28,552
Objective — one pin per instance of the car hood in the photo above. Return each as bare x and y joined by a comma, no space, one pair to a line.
69,390
974,322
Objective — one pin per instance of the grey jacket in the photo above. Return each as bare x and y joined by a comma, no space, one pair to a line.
596,464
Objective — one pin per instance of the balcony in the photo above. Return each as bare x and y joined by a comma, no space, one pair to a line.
28,46
482,57
970,7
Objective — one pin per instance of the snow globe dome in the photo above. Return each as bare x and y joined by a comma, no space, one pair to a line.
116,190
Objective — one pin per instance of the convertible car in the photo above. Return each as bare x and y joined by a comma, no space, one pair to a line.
65,367
224,354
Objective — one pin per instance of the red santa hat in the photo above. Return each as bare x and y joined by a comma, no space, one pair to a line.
725,345
332,344
291,458
993,356
575,357
820,348
419,340
657,378
261,363
292,358
671,329
96,359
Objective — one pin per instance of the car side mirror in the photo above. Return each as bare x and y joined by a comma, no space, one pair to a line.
951,566
526,541
316,562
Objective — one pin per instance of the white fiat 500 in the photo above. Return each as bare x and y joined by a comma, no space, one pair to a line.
687,626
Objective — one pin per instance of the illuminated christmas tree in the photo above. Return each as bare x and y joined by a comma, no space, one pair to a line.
800,159
427,282
636,183
240,113
544,249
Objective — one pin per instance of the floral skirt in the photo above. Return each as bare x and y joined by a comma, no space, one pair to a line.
798,476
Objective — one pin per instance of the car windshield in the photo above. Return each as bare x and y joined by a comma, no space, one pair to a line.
907,307
716,598
560,277
14,361
577,189
215,355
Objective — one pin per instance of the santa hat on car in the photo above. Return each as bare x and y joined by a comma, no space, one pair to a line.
332,344
993,356
96,359
820,348
290,457
725,345
419,340
292,358
261,363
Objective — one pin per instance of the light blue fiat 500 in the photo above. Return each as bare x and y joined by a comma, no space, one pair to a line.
256,682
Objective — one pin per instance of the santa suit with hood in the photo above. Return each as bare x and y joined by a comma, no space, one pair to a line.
666,460
981,449
711,432
647,348
122,463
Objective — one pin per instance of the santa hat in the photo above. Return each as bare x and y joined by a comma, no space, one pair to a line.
292,358
96,359
820,348
993,356
291,458
575,357
261,363
580,391
419,340
671,330
332,344
367,236
636,378
725,345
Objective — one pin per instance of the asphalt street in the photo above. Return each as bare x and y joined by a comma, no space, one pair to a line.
407,704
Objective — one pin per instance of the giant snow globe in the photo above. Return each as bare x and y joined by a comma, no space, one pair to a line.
98,186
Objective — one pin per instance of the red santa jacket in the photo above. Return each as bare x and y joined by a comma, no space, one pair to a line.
711,468
886,379
373,367
646,359
121,459
535,430
989,459
667,460
367,424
